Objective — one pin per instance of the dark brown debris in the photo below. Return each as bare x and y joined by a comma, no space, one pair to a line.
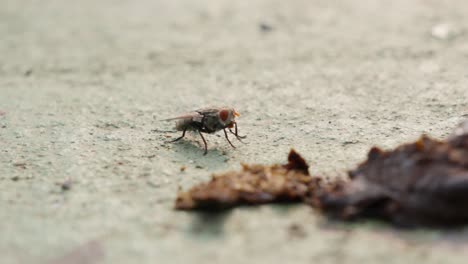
421,183
254,184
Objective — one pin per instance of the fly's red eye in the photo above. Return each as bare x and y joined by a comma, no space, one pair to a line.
224,114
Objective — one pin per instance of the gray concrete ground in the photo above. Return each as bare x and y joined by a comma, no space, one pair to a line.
83,84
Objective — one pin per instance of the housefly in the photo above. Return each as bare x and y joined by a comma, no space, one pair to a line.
208,120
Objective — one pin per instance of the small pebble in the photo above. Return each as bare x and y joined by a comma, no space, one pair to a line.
265,27
20,164
28,72
444,31
297,231
66,185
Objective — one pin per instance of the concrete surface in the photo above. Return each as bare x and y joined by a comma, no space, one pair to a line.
83,85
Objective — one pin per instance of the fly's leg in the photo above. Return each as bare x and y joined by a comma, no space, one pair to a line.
179,138
236,134
238,137
225,134
204,142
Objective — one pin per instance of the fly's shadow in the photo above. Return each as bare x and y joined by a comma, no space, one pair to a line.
192,146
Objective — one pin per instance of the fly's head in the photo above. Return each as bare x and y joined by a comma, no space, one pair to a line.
227,116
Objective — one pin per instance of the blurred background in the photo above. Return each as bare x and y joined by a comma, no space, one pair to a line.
86,175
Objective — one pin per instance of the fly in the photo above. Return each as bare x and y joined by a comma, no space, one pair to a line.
208,120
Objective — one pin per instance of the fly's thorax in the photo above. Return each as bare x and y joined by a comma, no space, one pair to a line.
213,123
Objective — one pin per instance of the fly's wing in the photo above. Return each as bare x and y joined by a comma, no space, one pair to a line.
208,111
193,116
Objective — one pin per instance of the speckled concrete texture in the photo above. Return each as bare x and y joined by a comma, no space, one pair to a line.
86,175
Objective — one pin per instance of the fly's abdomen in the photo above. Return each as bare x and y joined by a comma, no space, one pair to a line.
185,124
